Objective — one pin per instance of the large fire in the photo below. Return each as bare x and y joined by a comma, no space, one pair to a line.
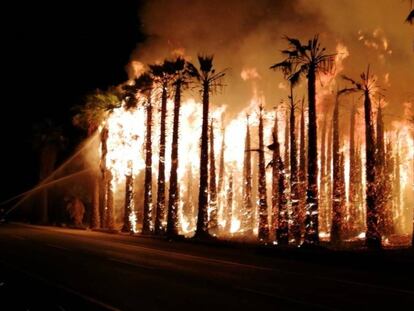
126,156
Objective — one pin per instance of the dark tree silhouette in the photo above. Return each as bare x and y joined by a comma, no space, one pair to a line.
208,80
48,140
308,59
366,85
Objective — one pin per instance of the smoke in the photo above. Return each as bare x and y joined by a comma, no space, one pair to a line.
248,34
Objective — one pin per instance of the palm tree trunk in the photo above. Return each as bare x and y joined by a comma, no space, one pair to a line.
263,221
160,216
336,228
282,233
147,220
311,221
328,180
352,176
213,222
95,217
275,178
202,219
373,238
302,168
247,184
323,180
104,178
173,190
129,193
109,208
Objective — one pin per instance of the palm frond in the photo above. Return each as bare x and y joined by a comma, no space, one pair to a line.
206,63
284,65
296,44
345,91
357,84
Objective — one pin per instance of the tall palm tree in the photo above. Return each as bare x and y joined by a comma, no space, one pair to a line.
48,140
275,175
308,59
208,80
181,78
89,116
144,85
366,87
163,75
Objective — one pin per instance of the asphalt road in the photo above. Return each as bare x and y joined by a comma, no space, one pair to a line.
45,268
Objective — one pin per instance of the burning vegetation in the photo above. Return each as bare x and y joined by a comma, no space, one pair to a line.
286,174
321,164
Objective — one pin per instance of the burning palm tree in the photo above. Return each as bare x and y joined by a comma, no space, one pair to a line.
308,59
181,77
89,117
262,202
208,80
162,74
366,87
144,85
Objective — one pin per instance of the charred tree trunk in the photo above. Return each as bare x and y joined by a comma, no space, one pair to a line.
311,221
275,177
263,221
202,218
129,201
147,220
109,208
337,212
353,181
95,217
104,176
323,180
213,222
282,233
160,215
247,183
383,187
302,168
373,238
173,190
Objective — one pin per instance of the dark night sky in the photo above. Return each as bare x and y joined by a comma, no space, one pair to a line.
54,54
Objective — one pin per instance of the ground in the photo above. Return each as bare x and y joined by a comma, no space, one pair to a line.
46,268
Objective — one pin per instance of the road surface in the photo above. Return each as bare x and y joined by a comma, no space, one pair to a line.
46,268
